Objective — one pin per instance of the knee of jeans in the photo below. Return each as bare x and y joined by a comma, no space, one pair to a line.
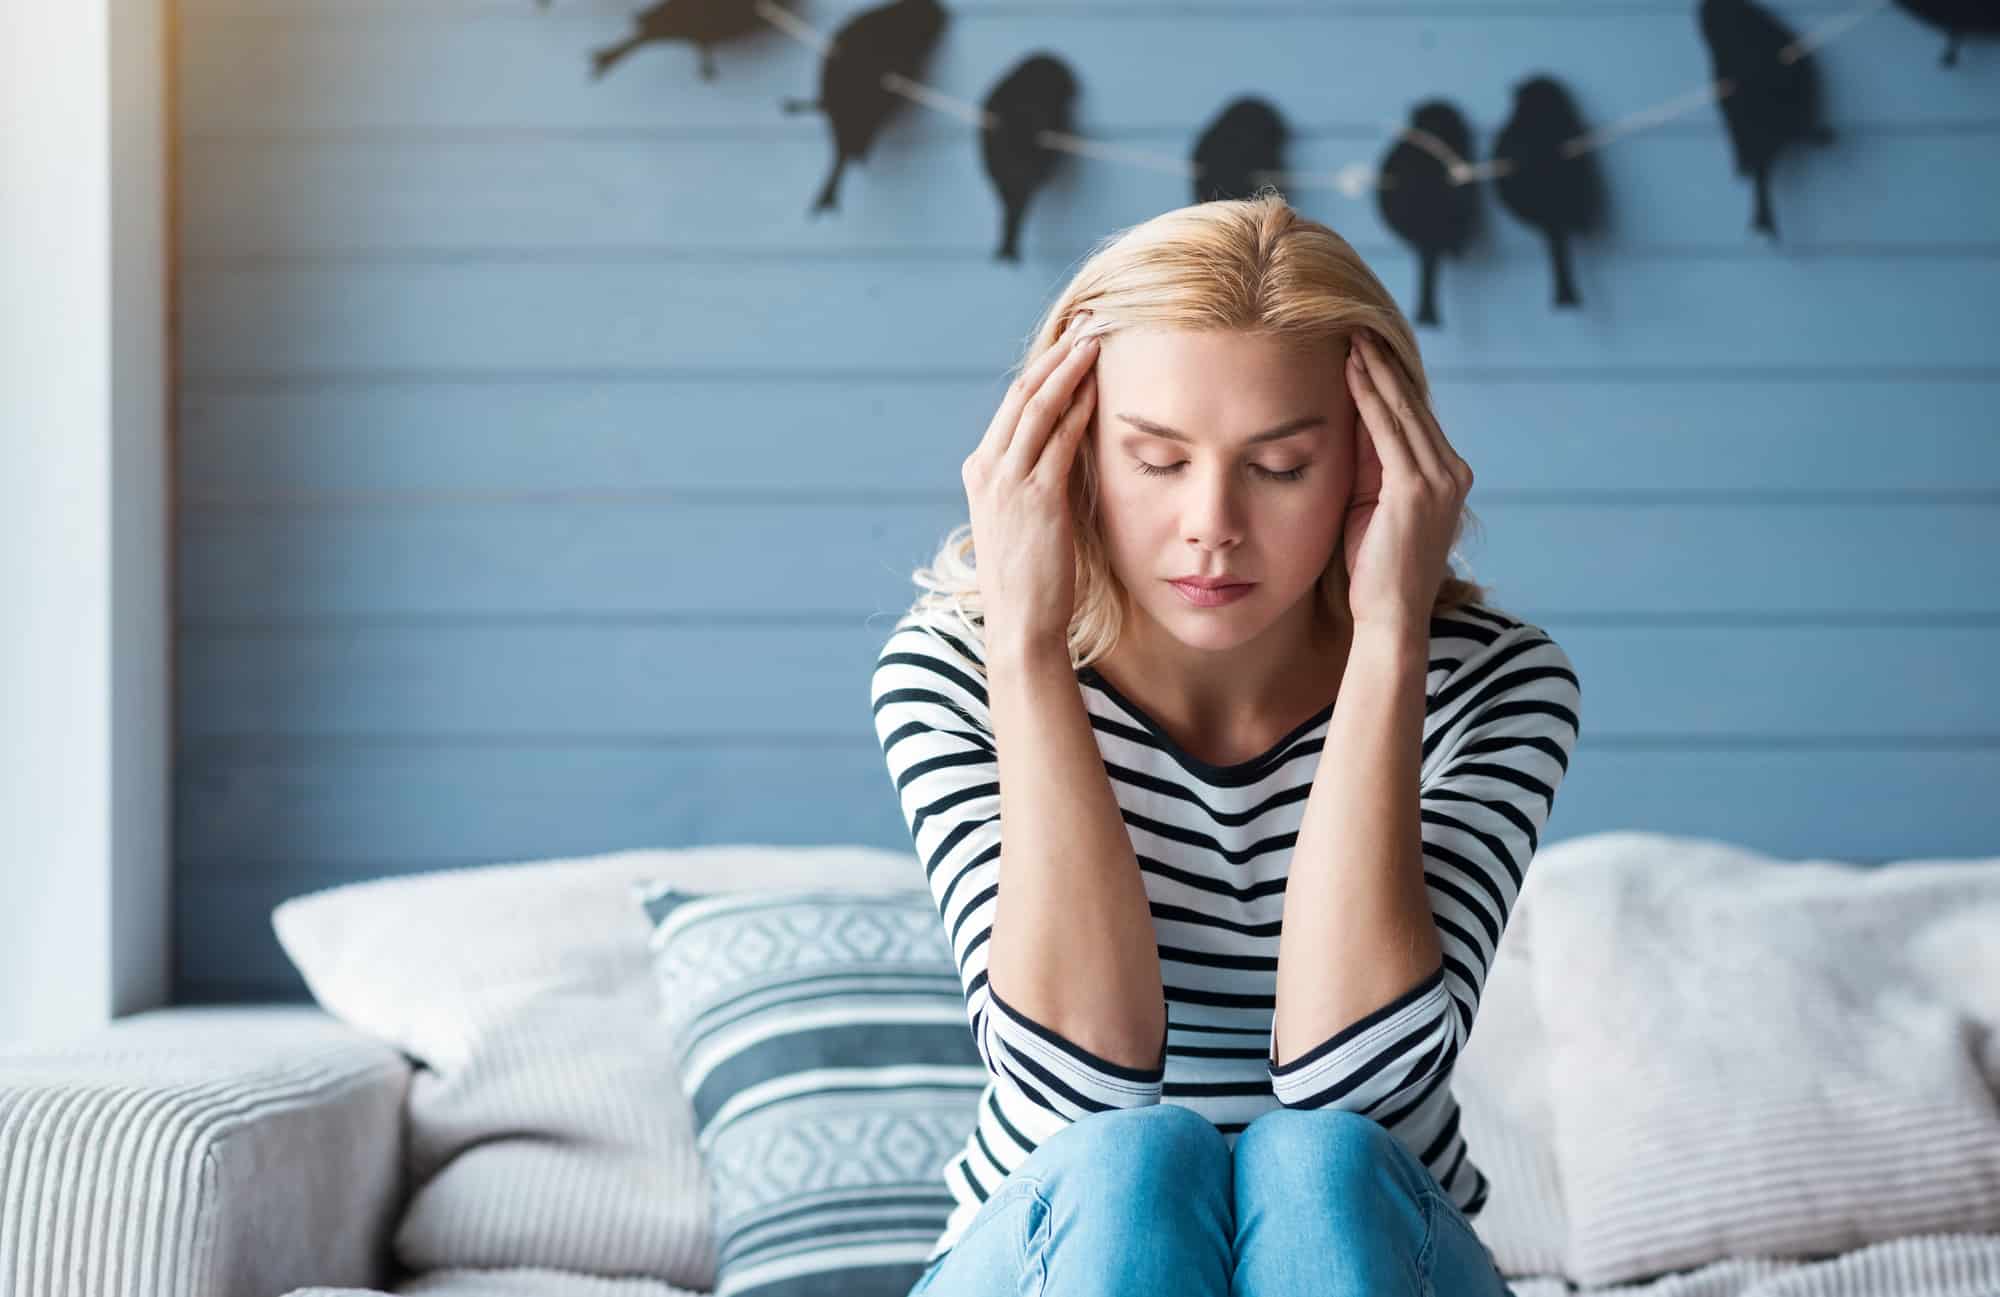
1326,1147
1158,1141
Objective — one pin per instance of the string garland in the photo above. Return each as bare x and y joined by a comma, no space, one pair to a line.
1542,171
1355,178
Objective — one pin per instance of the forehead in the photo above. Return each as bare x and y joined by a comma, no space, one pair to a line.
1216,385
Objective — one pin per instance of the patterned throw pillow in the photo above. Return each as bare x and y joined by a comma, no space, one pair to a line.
822,1040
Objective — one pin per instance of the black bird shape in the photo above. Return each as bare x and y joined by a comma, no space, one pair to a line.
702,23
1767,103
1420,202
1244,144
1544,185
1034,97
1956,18
896,37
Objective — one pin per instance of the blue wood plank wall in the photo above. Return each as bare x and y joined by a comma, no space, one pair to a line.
547,480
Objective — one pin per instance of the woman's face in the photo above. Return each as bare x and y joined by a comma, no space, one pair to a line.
1218,503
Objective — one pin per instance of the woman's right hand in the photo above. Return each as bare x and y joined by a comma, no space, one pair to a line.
1017,485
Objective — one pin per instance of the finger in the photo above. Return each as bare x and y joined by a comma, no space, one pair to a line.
1045,409
1433,449
1379,374
1380,425
1001,429
1454,463
1061,454
1452,471
1456,470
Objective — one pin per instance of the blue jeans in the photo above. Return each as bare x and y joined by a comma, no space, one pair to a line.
1311,1203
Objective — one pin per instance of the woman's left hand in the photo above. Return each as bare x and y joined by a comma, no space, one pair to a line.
1409,489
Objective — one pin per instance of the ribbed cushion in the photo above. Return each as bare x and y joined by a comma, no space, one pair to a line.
1953,1265
200,1152
512,1281
1751,1056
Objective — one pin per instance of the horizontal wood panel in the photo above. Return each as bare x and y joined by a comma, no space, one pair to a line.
353,811
525,67
568,683
449,193
397,445
547,477
257,835
606,315
694,557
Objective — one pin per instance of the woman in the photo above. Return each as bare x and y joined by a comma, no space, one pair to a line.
1294,813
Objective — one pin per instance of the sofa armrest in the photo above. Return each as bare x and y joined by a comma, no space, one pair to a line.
210,1151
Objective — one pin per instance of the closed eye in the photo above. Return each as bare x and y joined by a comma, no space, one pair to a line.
1289,475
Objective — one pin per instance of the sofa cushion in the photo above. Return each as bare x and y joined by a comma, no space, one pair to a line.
546,1125
199,1151
1752,1056
517,1281
822,1046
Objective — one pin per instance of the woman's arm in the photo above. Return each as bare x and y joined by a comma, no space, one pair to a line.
1358,930
1391,1005
1081,963
1073,941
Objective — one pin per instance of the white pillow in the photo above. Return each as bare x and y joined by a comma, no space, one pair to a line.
547,1126
1501,1083
1756,1057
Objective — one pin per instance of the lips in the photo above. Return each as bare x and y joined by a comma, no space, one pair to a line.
1212,597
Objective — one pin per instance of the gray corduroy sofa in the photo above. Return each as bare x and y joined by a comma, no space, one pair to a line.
201,1152
543,1146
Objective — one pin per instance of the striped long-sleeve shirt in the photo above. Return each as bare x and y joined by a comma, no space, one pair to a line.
1214,846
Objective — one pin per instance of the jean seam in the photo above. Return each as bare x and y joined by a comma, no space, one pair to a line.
1460,1223
1425,1284
1032,1253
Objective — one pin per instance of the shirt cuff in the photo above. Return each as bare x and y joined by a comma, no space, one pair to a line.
1347,1069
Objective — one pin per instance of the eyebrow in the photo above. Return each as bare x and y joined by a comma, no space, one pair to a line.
1286,429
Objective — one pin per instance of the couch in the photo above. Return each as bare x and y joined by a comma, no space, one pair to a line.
1696,1069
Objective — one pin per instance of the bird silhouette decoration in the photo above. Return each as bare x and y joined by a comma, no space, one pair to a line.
1035,97
702,23
1547,184
1956,18
1767,101
892,38
1421,201
1240,151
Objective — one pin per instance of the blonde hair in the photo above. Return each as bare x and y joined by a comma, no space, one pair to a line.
1252,264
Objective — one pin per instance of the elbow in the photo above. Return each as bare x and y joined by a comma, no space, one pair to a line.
1055,1073
1378,1075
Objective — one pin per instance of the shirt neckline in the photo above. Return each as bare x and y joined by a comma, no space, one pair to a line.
1238,773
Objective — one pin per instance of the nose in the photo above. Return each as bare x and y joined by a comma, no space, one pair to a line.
1214,514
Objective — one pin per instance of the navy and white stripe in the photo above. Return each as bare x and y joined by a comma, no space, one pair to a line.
1214,847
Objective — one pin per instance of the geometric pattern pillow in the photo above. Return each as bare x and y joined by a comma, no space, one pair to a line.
823,1044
